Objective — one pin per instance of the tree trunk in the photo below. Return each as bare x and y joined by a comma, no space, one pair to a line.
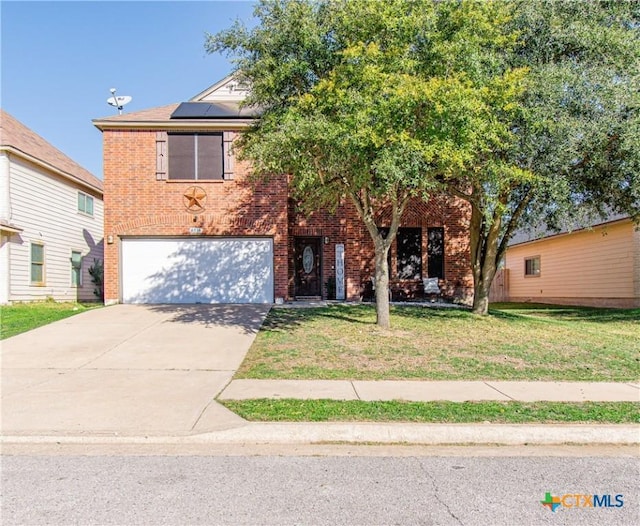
365,209
481,290
382,287
485,256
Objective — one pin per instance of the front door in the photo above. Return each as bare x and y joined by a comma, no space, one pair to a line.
308,265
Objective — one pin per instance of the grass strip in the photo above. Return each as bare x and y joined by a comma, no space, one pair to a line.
290,410
23,317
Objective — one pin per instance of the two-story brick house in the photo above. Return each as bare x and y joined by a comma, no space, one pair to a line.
184,224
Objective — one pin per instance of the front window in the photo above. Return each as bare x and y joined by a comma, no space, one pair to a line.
85,203
195,156
37,264
435,252
409,244
76,269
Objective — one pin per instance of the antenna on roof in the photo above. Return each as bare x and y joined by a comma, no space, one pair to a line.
118,102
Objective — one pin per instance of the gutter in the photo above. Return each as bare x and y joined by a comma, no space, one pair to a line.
233,124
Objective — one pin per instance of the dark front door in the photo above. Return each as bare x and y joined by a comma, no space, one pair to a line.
308,262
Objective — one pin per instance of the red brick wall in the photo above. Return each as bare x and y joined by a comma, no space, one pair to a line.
136,204
345,226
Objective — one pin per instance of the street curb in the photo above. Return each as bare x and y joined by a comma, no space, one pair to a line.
370,433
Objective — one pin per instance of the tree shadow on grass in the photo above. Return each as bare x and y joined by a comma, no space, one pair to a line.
284,319
420,312
565,313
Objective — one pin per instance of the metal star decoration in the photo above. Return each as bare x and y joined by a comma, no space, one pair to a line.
194,199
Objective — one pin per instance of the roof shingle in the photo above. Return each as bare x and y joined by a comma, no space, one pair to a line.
160,114
16,136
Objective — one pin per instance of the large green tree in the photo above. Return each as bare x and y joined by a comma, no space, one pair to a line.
573,149
360,100
527,110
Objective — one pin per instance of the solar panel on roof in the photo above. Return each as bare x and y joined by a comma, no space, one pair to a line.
207,110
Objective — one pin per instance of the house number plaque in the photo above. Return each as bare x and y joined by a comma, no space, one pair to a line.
307,259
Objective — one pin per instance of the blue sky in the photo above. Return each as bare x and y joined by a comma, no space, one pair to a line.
59,60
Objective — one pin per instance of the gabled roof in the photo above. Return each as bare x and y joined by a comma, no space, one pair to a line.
216,107
227,89
19,140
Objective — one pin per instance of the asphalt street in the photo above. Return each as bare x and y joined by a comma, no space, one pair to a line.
280,489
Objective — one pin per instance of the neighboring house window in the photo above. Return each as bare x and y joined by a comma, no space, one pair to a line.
85,203
37,264
435,252
76,269
195,156
532,266
409,245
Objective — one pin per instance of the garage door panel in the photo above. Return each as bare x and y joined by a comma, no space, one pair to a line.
197,271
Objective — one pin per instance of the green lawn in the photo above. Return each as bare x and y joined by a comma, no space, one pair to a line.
515,342
22,317
442,412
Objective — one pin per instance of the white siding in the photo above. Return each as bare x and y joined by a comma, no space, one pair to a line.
45,206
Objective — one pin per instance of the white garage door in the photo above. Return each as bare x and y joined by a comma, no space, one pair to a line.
221,270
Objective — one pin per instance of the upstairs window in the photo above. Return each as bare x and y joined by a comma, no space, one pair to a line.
532,266
195,156
435,252
85,203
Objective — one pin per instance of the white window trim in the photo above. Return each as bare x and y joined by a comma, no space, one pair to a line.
79,284
43,264
93,204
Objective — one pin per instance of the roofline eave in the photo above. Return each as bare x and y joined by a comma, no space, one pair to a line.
51,168
176,124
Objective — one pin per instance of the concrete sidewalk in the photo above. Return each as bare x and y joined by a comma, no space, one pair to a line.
428,391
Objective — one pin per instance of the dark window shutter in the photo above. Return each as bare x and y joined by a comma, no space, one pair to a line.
161,155
227,138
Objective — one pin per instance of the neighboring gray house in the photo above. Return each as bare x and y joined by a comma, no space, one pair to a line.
51,219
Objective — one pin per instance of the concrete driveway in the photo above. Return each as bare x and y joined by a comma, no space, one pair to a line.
127,370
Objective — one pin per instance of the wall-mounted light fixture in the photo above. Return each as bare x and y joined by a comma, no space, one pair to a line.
326,240
109,240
